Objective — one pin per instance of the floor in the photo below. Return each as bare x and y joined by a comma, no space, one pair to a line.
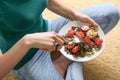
107,65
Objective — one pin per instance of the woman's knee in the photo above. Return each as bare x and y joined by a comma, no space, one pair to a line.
105,14
111,16
114,12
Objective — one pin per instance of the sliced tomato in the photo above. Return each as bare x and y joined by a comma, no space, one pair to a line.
98,41
80,34
70,33
87,39
85,28
75,49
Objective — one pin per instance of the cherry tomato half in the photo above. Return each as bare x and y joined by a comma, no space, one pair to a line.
80,34
87,39
75,49
70,33
98,41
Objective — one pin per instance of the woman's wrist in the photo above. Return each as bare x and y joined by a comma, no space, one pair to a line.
73,15
26,42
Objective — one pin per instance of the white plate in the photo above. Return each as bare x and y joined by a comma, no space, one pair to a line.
68,26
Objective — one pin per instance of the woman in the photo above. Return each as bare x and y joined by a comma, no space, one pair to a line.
19,18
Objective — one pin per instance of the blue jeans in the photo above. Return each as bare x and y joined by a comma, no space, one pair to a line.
40,67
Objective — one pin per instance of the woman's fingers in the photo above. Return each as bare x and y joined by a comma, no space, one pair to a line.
85,18
60,40
91,21
61,37
49,44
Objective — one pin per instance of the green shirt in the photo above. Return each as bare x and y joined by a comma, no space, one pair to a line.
20,17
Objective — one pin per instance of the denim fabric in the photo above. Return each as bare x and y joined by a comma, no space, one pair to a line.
119,14
41,67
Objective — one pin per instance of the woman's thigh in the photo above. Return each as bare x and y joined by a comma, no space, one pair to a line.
40,67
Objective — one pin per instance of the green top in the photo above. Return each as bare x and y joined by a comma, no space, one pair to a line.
20,17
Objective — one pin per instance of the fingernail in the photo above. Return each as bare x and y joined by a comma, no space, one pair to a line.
57,44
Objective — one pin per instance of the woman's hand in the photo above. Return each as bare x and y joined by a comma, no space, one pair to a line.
84,18
45,41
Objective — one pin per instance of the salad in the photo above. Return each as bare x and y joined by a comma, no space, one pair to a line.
83,41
